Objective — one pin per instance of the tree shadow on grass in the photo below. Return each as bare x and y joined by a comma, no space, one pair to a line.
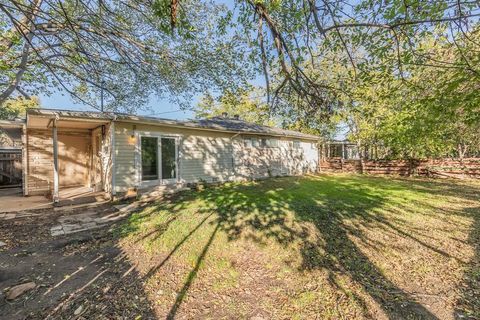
328,205
339,209
468,306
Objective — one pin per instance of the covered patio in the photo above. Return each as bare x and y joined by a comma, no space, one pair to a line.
67,158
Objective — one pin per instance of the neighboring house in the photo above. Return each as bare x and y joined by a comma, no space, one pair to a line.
11,152
340,149
117,152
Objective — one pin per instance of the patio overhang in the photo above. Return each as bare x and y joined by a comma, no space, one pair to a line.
59,123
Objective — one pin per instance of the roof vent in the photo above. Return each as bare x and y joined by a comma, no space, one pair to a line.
236,117
224,114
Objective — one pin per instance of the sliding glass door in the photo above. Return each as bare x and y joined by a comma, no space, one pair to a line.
158,160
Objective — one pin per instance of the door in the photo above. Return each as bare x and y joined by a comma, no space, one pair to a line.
168,163
159,160
73,159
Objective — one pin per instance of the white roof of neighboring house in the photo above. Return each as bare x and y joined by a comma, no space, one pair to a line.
215,123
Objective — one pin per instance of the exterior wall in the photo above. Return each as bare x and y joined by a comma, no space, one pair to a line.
202,155
106,159
258,162
73,151
209,156
39,161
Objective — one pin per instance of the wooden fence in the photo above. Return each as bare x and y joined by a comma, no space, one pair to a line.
455,168
10,167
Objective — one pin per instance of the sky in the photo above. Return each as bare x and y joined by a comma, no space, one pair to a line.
159,107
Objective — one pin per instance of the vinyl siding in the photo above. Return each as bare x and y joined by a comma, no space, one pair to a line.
210,156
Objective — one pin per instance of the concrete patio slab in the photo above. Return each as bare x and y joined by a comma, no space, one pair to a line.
12,201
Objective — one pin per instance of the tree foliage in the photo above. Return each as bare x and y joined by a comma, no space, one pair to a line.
16,108
247,103
427,112
128,49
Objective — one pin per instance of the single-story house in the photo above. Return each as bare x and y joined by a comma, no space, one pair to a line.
114,153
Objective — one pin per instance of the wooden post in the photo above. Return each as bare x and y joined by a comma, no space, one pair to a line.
55,161
112,155
25,160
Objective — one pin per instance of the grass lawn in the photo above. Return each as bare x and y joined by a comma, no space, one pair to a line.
326,247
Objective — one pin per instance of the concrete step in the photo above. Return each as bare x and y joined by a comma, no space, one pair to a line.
82,200
159,191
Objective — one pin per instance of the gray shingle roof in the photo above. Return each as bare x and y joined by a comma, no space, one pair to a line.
215,123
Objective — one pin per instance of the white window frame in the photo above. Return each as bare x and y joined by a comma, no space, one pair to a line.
138,158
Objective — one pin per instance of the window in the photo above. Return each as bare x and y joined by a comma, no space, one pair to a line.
263,142
296,144
268,143
252,142
272,143
149,147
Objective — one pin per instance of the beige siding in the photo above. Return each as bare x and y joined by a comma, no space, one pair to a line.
125,173
210,156
106,159
73,154
203,155
39,161
258,162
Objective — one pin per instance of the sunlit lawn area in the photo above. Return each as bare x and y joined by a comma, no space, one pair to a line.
328,246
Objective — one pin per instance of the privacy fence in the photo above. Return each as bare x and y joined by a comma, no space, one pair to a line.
454,168
10,167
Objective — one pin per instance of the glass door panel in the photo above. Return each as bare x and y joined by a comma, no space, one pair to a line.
169,159
149,158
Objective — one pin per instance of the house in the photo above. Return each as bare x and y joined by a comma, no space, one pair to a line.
11,152
114,153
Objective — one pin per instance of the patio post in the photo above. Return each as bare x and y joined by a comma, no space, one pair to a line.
55,160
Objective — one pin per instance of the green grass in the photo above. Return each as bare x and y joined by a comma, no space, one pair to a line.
328,246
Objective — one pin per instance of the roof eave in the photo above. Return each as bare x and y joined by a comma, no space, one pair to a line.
183,126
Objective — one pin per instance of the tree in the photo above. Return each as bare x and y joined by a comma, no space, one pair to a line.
16,108
292,35
247,103
128,49
429,112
